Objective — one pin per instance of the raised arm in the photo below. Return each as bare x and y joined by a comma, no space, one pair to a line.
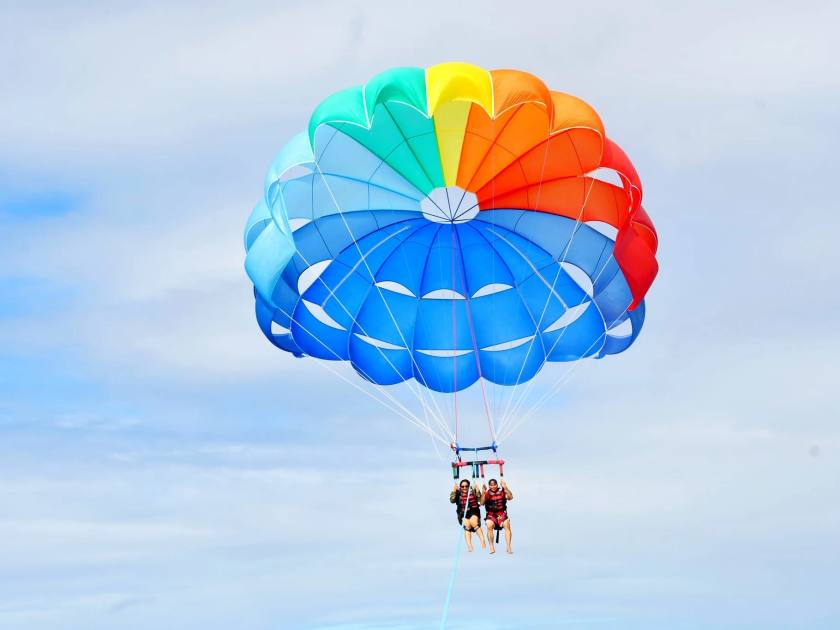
508,493
453,494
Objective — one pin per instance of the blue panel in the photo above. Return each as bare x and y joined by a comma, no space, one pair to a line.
500,317
379,365
582,338
389,317
442,325
613,300
443,265
482,264
514,366
407,263
317,339
614,345
446,374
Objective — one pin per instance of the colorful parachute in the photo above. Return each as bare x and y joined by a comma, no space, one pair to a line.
449,224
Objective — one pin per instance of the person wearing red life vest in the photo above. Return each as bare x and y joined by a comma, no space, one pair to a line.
494,499
467,500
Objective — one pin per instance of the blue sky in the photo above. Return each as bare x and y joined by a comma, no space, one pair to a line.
163,466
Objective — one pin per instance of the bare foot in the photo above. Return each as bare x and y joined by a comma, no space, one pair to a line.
469,549
492,550
509,550
483,545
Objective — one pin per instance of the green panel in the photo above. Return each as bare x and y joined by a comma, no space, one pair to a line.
425,147
345,106
394,104
407,85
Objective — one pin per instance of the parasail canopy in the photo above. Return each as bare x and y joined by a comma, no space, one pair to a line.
451,224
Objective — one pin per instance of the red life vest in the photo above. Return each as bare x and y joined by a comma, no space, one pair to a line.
462,500
495,501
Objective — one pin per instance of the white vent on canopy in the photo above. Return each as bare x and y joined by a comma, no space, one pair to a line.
277,329
445,353
443,294
449,204
298,223
378,343
396,287
311,274
295,171
507,345
490,289
580,277
569,317
321,315
604,228
624,329
609,175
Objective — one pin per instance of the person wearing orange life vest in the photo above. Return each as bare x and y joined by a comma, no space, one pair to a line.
467,501
494,499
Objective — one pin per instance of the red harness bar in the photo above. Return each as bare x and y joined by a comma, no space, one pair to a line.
478,467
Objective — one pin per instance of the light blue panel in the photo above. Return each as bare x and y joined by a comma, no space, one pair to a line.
297,152
268,256
316,195
260,217
340,154
341,234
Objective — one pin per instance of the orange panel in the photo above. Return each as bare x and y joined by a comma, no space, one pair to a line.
579,198
570,111
479,138
514,87
524,129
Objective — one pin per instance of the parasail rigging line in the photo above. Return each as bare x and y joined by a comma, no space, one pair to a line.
439,420
399,409
513,395
555,389
415,388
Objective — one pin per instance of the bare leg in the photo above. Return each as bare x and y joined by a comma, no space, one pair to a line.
490,536
479,531
508,535
468,538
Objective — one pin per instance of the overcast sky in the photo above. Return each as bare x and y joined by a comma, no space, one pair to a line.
163,466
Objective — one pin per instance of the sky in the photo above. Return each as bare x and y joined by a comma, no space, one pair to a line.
162,465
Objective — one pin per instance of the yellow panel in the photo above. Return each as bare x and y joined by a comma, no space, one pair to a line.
450,123
459,82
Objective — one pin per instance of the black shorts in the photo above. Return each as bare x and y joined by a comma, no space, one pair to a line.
471,512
